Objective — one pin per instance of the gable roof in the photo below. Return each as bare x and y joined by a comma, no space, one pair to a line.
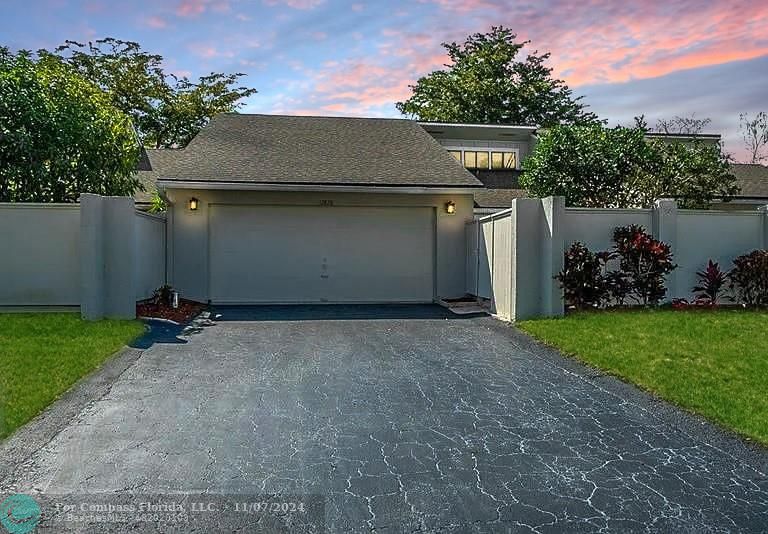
153,162
752,178
273,149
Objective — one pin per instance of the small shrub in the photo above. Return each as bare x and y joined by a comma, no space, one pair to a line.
712,282
164,295
644,261
749,278
582,278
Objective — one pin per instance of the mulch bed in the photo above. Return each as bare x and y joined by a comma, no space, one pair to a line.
186,311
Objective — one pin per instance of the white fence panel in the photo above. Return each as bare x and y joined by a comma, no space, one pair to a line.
149,242
594,227
717,235
41,254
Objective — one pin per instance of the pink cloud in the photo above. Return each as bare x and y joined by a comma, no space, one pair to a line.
193,8
207,51
296,4
599,41
156,22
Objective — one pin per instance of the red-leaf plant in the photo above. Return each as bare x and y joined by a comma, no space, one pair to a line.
711,285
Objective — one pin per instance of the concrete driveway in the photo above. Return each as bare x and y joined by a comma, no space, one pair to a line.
397,418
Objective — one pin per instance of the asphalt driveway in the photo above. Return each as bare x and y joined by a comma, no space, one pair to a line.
397,418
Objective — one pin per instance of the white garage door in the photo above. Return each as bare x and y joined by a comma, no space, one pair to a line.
262,254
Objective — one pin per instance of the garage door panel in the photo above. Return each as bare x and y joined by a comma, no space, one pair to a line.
321,254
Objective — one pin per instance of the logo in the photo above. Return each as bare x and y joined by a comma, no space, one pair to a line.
19,514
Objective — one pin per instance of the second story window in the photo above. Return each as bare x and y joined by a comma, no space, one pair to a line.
486,159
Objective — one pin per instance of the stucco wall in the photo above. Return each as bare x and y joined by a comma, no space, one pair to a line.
594,227
522,274
41,247
719,236
188,269
149,239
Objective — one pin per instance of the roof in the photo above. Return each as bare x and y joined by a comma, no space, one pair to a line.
497,198
274,149
685,136
479,132
152,163
752,178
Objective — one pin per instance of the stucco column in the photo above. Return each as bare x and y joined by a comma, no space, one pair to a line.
764,211
107,257
91,257
665,229
552,260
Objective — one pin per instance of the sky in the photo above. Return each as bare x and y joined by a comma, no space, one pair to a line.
659,58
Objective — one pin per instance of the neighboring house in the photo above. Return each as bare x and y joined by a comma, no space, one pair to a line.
493,153
753,181
284,209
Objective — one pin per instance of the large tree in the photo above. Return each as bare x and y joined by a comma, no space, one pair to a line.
755,134
60,135
166,110
489,81
592,166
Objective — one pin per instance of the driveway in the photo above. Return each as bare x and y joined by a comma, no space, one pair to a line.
398,418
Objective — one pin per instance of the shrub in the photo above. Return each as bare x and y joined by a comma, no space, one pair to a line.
644,261
582,278
712,281
164,295
749,278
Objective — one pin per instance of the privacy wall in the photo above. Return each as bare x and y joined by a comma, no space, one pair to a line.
100,255
41,254
514,255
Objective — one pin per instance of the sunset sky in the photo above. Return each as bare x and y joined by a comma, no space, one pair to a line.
328,57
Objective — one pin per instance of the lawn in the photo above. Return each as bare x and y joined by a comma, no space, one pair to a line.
714,363
42,355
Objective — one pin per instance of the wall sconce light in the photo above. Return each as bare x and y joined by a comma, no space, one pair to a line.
193,204
450,207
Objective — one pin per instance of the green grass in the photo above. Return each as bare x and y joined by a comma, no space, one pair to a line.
714,363
42,355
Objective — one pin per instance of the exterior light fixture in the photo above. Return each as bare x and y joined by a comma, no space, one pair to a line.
193,204
450,207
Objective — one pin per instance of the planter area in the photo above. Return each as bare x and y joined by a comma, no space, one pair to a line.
156,309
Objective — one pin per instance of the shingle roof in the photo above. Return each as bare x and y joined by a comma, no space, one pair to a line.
752,178
273,149
152,163
497,198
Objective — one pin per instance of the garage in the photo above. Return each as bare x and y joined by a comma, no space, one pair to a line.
292,210
305,254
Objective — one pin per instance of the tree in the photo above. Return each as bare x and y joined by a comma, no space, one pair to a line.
592,166
60,136
694,173
486,82
755,134
682,125
167,111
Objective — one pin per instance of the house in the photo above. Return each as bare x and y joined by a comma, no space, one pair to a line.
285,209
